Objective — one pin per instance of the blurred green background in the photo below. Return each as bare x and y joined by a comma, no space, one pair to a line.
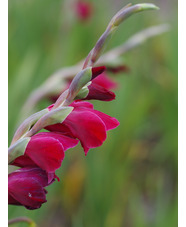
130,181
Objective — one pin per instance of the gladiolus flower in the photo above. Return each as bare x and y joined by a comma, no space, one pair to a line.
45,150
26,187
99,88
86,124
104,81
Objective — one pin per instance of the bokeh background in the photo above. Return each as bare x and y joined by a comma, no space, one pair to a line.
130,181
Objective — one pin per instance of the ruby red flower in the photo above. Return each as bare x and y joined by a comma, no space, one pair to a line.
86,124
46,150
99,88
26,187
104,81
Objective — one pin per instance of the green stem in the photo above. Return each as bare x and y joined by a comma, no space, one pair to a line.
120,16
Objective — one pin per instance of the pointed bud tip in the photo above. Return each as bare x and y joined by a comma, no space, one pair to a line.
148,6
96,71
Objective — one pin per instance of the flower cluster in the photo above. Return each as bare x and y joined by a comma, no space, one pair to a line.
45,151
101,87
68,121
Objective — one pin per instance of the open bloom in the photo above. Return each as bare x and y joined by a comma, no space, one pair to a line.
26,187
45,150
86,124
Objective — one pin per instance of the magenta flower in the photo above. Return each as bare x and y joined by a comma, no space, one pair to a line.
84,10
46,150
104,81
86,124
99,88
26,187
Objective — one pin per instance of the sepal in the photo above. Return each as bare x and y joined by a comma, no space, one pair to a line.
18,148
53,117
79,81
28,124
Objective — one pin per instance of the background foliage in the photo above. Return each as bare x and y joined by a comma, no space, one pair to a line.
131,180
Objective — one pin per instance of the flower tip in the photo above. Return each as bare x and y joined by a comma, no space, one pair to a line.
57,178
149,6
86,150
96,71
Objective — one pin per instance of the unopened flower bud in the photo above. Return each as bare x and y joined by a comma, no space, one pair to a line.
28,124
83,92
81,80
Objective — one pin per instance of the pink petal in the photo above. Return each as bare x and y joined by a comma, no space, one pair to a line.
28,193
46,152
86,126
66,141
110,122
25,187
104,81
23,161
99,93
96,71
12,201
76,104
61,128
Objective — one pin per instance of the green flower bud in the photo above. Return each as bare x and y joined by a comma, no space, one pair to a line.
28,124
17,149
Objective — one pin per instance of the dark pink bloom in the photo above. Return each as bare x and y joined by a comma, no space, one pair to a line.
26,187
104,81
86,124
100,87
46,150
84,10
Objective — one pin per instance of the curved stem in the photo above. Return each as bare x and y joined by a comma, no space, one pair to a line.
118,18
22,219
